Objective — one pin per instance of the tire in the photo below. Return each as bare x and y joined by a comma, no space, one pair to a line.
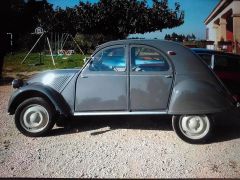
194,129
34,117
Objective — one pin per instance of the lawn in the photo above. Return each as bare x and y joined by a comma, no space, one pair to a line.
12,63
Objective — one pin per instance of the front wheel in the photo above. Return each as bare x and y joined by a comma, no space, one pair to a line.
193,129
34,117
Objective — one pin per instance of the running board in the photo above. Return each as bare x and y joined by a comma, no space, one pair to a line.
119,113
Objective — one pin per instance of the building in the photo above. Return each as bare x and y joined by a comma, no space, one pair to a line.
223,26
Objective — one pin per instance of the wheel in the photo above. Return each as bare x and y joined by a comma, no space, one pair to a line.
193,129
34,117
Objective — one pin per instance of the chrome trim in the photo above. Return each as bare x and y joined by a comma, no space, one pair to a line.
119,113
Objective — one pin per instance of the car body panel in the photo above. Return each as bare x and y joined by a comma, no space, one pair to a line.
56,79
188,87
38,89
103,90
108,92
151,77
198,95
149,92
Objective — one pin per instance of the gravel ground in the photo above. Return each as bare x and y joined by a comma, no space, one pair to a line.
143,147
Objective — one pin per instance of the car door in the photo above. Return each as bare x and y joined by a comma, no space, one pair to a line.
151,78
102,84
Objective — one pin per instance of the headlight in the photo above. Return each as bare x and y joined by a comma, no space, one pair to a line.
17,83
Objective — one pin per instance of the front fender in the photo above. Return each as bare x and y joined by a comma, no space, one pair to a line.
198,97
39,90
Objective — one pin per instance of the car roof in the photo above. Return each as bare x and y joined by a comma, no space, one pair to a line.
184,60
137,41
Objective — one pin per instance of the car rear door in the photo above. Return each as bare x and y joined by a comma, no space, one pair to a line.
151,78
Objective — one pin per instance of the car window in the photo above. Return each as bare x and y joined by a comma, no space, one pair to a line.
111,59
227,63
147,59
207,58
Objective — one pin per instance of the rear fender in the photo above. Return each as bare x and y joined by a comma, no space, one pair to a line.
198,97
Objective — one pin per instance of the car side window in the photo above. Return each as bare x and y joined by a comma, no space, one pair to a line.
227,63
147,59
110,59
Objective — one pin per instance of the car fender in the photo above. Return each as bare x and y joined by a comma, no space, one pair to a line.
193,96
39,90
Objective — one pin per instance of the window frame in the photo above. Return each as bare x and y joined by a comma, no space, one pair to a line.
166,58
86,69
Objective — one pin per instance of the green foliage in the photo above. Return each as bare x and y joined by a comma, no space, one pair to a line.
196,44
12,63
96,22
90,42
180,37
21,17
119,18
113,18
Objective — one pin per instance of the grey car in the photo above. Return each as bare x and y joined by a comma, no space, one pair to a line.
126,77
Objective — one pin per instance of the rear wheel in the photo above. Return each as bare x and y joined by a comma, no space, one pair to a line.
193,129
34,117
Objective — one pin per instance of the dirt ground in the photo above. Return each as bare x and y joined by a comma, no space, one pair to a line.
140,147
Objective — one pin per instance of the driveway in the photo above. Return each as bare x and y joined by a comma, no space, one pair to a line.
140,147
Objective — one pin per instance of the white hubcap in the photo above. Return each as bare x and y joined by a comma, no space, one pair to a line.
194,127
35,118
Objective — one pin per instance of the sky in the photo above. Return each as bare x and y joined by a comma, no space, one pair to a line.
196,11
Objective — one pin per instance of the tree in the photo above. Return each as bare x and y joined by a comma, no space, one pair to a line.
21,17
167,37
180,37
116,19
193,37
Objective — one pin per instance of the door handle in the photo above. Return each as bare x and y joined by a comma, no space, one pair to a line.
83,76
168,76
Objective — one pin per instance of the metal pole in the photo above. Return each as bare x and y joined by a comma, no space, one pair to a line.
62,41
32,48
65,40
51,39
51,51
11,41
55,45
58,42
77,45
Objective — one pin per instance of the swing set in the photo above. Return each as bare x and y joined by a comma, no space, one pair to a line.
56,43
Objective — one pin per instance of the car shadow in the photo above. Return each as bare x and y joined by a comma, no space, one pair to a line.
227,127
224,129
106,124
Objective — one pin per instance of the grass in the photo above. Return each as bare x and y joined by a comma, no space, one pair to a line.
12,63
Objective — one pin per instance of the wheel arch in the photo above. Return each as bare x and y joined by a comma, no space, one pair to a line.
198,97
53,97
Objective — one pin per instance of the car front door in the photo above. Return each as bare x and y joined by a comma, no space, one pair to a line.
151,78
102,84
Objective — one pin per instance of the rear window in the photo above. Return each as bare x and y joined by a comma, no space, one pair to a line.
147,59
227,63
